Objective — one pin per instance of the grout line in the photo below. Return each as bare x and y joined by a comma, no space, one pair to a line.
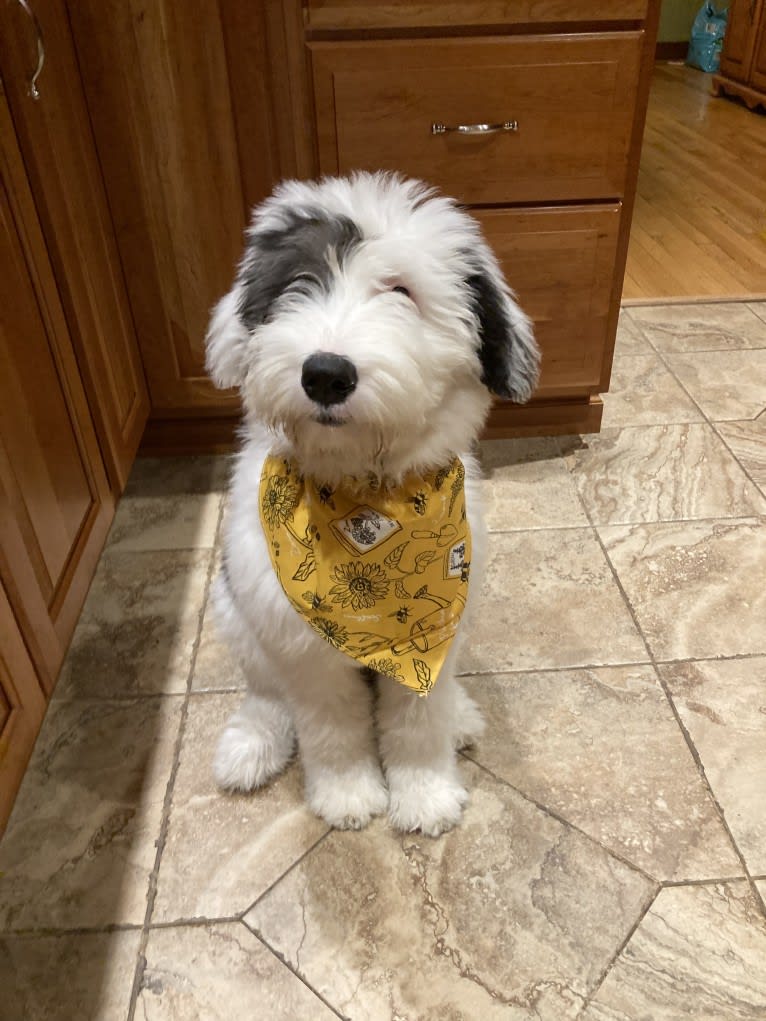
547,810
623,524
291,967
674,709
140,968
198,921
716,430
674,883
109,551
82,930
691,299
631,932
288,870
520,671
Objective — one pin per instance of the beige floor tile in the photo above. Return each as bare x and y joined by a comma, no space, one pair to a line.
727,326
630,340
549,600
603,749
727,385
223,850
747,441
187,521
67,978
510,916
80,844
138,627
179,476
215,667
643,392
661,473
699,953
723,705
696,588
759,307
220,973
527,485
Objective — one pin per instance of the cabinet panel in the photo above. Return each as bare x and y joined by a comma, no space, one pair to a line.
22,706
322,14
55,502
158,93
560,263
758,64
738,44
572,97
60,159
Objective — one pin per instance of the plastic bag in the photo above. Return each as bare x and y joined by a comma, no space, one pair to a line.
706,41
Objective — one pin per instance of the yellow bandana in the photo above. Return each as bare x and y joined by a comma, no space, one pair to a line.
381,574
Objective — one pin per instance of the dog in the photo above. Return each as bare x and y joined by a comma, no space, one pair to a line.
367,328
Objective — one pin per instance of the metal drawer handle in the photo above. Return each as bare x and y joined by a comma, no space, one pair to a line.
475,129
33,89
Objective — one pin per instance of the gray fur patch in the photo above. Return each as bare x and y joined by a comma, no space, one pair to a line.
295,257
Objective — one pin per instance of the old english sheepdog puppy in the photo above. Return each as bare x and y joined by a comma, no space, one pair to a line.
367,327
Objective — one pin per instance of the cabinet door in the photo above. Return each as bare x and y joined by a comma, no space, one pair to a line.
758,64
737,53
158,91
55,502
60,158
560,263
21,707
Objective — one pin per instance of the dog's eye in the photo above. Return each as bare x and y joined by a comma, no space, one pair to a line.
401,290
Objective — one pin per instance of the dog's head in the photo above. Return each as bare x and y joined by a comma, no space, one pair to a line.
368,314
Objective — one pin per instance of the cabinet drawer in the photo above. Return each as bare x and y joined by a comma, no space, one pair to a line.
572,96
560,263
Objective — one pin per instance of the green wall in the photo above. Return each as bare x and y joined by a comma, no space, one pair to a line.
676,17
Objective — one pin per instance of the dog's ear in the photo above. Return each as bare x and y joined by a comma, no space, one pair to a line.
510,357
226,341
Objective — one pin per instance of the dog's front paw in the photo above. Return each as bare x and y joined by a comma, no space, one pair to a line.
253,748
347,801
425,800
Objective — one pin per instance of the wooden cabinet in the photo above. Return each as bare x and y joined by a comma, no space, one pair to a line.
198,109
22,705
571,99
743,59
73,399
55,498
62,164
574,102
191,134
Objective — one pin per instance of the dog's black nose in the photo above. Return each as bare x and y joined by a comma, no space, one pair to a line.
328,379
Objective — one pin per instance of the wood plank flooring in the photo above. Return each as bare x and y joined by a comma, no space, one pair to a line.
699,226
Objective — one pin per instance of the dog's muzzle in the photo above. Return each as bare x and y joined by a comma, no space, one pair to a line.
328,379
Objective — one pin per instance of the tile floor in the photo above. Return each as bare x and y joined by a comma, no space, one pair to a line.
612,861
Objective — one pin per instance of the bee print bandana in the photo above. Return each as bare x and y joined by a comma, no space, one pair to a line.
381,574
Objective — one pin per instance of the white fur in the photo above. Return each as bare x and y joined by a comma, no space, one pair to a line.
419,401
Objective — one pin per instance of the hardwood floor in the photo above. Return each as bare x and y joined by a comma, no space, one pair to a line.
699,227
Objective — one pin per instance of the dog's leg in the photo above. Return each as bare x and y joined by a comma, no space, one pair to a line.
259,739
418,740
333,715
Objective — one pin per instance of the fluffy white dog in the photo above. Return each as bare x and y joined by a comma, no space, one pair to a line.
367,327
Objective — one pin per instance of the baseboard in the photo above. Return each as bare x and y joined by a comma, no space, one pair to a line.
169,436
671,50
200,435
551,418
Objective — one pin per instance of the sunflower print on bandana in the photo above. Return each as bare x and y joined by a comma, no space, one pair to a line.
359,585
380,574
